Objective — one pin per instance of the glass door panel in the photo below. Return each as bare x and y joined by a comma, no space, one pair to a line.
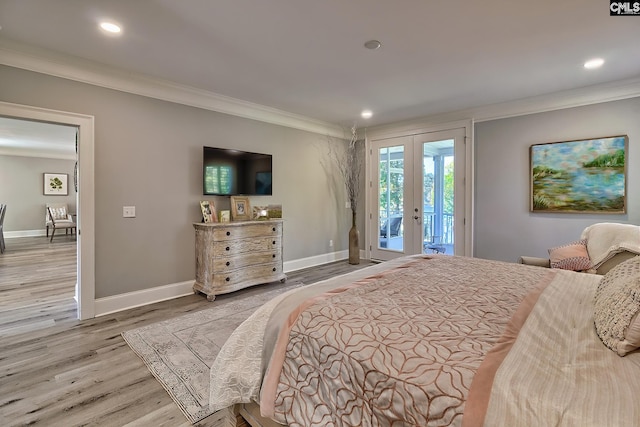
391,172
441,158
391,229
437,186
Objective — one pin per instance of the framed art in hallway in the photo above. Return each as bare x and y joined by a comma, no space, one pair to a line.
240,208
582,176
55,184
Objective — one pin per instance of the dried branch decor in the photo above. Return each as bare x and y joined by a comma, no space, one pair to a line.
350,165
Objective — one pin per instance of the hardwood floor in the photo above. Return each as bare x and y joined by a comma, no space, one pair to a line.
58,371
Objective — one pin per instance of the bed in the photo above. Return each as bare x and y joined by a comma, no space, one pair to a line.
441,341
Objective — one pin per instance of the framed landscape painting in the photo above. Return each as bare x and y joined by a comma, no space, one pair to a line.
584,176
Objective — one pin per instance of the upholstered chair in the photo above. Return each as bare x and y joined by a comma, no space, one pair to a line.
601,247
58,217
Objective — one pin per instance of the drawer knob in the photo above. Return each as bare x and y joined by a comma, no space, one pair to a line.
274,242
273,256
274,269
228,263
274,229
227,279
227,248
228,233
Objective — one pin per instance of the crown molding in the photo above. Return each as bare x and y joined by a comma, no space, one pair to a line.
588,95
84,71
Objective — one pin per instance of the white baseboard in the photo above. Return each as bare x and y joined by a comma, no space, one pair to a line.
115,303
299,264
121,302
24,233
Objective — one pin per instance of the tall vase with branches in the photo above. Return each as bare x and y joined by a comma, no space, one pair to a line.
350,163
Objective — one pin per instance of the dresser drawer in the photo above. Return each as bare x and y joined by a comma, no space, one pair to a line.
224,264
264,273
247,231
245,246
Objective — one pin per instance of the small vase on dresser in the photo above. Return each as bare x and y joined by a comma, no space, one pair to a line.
235,255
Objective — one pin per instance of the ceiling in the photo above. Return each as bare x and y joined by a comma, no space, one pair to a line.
307,57
36,139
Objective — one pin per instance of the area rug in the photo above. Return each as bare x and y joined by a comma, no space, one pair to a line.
179,351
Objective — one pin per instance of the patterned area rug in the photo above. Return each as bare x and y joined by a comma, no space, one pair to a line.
179,351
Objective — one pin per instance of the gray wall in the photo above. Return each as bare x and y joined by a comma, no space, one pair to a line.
148,153
21,188
504,227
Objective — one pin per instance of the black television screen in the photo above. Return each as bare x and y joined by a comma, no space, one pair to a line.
227,172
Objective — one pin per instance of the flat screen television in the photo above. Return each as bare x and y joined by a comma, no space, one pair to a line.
227,172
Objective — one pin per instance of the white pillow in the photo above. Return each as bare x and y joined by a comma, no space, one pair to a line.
617,307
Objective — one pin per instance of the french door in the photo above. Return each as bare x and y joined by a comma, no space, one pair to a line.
419,194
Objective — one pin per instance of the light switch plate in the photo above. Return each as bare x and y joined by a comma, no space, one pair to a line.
128,211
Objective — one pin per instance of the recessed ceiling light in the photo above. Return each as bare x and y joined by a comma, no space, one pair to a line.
594,63
372,44
366,114
110,27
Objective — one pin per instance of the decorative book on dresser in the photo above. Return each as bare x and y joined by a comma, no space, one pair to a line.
235,255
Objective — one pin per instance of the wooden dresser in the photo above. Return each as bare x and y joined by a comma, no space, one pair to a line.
235,255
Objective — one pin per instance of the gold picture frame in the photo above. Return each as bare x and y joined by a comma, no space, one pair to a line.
240,208
580,176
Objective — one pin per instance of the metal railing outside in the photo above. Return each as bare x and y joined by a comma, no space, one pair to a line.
429,233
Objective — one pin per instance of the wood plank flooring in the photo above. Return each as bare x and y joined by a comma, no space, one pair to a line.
58,371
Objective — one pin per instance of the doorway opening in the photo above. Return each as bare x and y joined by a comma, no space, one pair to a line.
85,243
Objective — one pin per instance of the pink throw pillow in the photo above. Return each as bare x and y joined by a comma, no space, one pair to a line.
572,256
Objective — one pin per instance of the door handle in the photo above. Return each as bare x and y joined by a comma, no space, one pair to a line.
417,218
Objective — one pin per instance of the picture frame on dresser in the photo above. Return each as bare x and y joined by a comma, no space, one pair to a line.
274,211
260,213
240,208
208,211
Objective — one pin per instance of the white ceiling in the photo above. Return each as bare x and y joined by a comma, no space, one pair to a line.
29,138
307,57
